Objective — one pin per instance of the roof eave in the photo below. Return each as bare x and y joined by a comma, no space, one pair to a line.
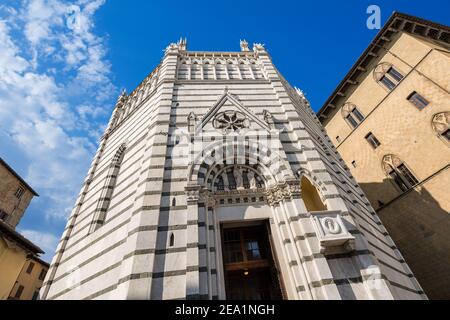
11,170
369,49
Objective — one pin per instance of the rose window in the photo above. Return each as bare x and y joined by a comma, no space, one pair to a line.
230,121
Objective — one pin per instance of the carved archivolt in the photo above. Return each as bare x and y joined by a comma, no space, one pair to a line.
380,70
390,162
441,122
239,184
347,109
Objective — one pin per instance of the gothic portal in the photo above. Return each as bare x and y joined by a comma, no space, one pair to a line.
215,180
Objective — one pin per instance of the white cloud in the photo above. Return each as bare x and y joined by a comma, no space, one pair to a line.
10,63
46,241
55,91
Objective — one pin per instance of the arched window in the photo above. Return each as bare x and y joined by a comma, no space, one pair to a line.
171,240
196,71
191,122
208,70
108,189
256,70
441,125
233,72
221,71
400,174
245,70
387,75
311,196
183,71
174,202
352,115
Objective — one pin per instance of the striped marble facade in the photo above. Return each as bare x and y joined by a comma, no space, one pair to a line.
146,224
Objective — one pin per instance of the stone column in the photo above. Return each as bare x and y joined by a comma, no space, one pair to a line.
286,240
192,237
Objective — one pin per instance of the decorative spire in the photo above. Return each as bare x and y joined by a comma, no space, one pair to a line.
258,47
302,96
300,93
121,99
171,48
244,45
182,44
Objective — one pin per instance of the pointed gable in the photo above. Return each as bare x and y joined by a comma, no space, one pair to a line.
229,102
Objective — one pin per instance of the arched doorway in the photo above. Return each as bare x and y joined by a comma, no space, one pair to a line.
249,264
235,195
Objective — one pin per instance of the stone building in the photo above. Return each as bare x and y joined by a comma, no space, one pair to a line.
16,252
15,195
30,279
389,119
215,180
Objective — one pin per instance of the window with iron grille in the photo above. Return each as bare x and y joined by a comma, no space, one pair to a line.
387,75
19,192
400,174
19,292
30,267
357,114
417,100
446,135
412,181
352,121
397,76
399,181
351,114
42,274
373,141
387,83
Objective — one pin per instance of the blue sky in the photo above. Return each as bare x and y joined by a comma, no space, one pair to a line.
63,63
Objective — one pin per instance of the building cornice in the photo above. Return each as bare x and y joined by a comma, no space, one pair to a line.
398,22
9,232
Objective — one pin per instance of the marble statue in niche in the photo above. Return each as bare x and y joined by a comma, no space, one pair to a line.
251,179
238,178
